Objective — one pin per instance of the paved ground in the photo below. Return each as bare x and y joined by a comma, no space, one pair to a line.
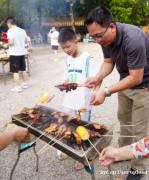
44,76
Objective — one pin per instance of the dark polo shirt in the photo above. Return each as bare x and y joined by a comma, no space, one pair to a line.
130,51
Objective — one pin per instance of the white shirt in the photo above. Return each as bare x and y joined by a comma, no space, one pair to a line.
76,71
54,42
18,35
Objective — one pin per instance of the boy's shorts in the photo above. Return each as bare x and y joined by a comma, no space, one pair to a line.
55,47
17,63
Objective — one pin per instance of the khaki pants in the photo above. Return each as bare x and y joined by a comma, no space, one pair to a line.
133,108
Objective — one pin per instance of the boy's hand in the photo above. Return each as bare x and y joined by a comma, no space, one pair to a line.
5,45
98,97
108,156
91,81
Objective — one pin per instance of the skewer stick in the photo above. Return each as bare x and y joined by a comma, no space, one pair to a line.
119,125
81,85
96,120
30,124
145,88
113,135
38,138
52,145
8,121
45,146
94,147
86,157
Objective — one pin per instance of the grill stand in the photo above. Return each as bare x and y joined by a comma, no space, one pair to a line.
92,171
22,149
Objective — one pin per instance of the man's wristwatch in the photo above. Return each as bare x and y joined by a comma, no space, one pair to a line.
108,94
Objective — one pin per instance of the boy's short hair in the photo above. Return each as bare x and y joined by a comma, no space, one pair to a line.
66,35
11,20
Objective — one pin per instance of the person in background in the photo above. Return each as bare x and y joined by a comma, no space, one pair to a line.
16,134
53,34
29,44
28,48
17,39
4,36
125,47
79,66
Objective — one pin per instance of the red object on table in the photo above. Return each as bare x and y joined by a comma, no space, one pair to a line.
5,37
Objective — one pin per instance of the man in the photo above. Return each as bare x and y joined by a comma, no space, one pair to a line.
53,34
17,39
127,47
18,134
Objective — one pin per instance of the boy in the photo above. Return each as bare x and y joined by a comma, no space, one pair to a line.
79,66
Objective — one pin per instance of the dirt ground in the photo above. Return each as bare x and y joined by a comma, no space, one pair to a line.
44,75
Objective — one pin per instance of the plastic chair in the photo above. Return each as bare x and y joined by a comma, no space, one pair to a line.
36,39
40,38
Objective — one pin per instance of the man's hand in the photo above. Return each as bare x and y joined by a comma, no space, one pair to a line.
19,133
98,97
108,156
91,81
5,45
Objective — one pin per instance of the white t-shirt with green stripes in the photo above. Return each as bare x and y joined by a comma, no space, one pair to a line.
77,70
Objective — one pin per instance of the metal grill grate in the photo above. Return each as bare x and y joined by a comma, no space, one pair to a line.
68,146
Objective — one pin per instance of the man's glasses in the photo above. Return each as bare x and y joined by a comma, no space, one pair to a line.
100,38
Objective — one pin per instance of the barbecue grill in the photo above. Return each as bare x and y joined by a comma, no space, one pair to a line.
67,146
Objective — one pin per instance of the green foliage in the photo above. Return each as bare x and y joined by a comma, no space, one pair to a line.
30,13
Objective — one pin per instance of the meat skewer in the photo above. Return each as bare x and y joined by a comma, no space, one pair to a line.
78,118
61,130
78,138
30,113
69,86
35,119
83,110
55,112
99,126
56,116
52,128
69,118
60,120
62,114
68,133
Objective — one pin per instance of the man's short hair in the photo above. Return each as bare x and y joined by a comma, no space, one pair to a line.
102,15
66,35
11,20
